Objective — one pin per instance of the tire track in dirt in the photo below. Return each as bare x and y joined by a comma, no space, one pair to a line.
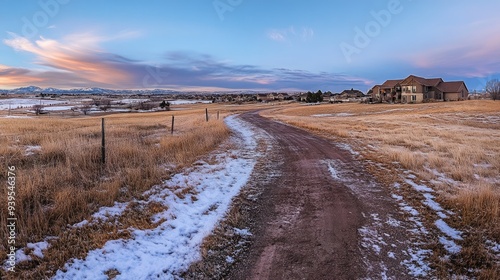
310,224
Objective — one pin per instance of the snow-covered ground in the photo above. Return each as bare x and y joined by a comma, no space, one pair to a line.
374,238
167,250
58,108
333,115
185,102
15,103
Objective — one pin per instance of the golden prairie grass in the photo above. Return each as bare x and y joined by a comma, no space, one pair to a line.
453,146
60,179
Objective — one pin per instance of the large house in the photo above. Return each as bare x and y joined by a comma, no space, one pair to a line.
416,89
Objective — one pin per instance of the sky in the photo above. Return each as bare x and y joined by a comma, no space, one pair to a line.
219,45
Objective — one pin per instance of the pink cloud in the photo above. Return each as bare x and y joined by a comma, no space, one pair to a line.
476,56
81,57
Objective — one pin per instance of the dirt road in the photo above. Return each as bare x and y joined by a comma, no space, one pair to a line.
313,220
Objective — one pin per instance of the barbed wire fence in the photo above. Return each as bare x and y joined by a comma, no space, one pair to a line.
101,137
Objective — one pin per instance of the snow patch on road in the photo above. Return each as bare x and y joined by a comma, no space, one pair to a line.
331,168
417,265
168,250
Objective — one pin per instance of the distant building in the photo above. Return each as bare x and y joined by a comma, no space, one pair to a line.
348,95
351,93
416,89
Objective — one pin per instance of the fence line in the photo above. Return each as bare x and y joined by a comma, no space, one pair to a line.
92,139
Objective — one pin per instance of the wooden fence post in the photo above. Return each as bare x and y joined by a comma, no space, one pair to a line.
172,128
206,113
103,144
217,115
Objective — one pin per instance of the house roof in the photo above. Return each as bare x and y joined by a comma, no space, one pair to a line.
390,83
451,86
351,91
423,81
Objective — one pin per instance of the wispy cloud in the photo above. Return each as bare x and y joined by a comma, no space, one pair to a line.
476,56
276,35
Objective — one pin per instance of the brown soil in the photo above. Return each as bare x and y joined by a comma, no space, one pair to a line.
306,224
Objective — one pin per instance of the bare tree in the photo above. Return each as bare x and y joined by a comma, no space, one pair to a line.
105,104
38,109
493,89
85,107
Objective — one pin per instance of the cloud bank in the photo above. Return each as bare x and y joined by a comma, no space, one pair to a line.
79,61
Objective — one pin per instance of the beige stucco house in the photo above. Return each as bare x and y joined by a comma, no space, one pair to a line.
416,89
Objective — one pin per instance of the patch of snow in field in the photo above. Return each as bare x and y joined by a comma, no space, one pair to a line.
133,100
446,229
417,265
393,222
455,234
34,249
242,232
482,165
322,115
333,115
449,245
494,246
166,251
30,150
371,238
429,201
397,197
347,147
189,102
14,103
420,188
17,117
118,110
408,209
392,110
441,177
58,108
104,213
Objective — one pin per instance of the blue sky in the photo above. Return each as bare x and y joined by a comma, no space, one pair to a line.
245,44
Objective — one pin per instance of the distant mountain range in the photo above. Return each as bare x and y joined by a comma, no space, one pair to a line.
96,90
93,90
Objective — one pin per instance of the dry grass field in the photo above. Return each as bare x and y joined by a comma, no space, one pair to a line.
453,147
60,179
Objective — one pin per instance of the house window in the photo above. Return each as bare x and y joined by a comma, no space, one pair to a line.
413,98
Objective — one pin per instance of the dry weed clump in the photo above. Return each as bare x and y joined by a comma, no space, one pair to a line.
60,177
479,205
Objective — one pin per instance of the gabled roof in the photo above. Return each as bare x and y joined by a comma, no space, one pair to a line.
451,86
423,81
351,91
390,83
